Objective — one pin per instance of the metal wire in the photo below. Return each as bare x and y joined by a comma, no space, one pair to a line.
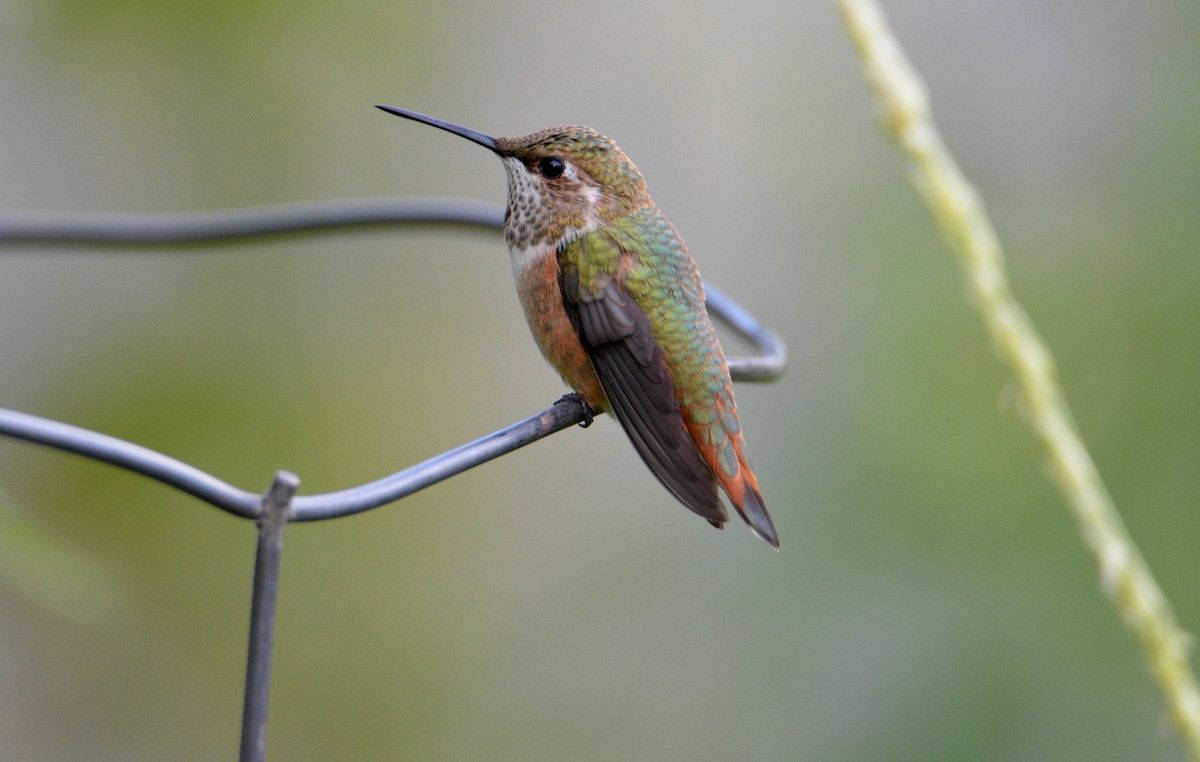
276,509
126,231
273,511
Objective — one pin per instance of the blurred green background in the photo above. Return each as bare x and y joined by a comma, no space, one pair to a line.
932,599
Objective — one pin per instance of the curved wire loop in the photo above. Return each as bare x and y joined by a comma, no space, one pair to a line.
243,225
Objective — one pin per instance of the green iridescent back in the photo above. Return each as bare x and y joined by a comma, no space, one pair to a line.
663,279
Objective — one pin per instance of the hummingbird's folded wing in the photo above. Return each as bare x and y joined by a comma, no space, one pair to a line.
629,363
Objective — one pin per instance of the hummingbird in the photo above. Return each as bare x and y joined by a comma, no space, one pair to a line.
616,306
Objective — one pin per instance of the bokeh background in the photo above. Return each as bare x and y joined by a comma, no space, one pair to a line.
932,599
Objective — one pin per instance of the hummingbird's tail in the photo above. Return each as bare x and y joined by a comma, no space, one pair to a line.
724,448
743,493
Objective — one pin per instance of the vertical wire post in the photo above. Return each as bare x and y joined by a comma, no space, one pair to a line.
277,509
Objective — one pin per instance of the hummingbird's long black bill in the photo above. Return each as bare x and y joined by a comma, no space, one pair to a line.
487,141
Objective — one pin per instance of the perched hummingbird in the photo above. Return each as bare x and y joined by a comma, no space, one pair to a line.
616,305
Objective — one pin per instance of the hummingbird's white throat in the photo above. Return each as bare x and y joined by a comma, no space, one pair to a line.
529,214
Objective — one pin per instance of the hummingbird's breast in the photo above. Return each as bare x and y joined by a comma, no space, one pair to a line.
535,271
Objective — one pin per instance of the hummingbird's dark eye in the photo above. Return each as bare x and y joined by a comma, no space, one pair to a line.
552,167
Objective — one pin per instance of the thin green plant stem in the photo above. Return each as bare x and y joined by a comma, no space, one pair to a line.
960,215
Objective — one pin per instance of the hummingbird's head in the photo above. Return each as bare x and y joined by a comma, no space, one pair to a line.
562,181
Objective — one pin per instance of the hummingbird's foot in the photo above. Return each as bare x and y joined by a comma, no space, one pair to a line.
589,412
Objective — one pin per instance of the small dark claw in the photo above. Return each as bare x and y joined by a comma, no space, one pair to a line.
589,412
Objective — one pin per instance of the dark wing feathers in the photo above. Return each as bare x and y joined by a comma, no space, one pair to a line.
615,331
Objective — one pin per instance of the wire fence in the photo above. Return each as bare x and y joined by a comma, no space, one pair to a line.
280,504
